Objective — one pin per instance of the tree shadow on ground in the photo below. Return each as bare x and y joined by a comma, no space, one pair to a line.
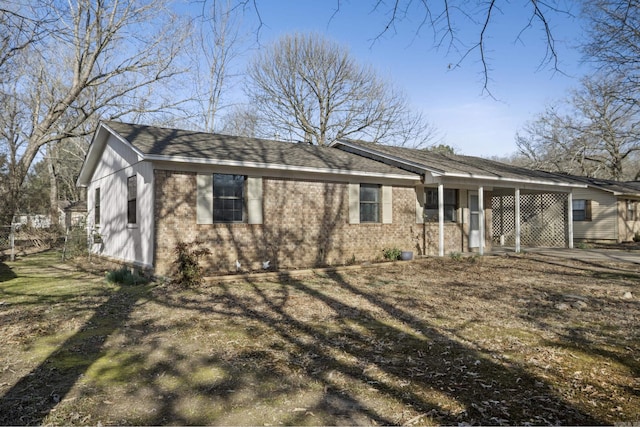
363,358
357,357
34,396
6,272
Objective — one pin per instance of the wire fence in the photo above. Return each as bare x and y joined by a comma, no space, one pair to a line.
75,242
21,239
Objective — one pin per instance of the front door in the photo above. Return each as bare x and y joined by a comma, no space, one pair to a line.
474,220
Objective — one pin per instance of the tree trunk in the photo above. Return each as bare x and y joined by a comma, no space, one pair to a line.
53,187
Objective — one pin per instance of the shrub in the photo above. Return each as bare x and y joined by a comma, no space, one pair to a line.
124,276
189,271
391,254
456,256
636,237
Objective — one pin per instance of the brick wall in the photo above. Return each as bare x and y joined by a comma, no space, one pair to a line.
306,223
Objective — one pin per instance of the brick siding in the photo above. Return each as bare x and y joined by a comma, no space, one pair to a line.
306,223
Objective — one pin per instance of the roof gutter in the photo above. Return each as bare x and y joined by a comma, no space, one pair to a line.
278,167
515,180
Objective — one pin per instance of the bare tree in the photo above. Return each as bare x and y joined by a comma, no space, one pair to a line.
217,43
310,89
597,136
462,28
19,31
97,59
242,121
614,37
550,142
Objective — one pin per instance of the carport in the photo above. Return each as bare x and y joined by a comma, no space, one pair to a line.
497,204
530,218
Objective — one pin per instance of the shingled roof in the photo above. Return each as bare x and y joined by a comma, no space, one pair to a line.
618,188
453,165
158,143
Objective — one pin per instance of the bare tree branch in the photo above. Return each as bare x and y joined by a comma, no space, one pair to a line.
310,88
97,59
597,136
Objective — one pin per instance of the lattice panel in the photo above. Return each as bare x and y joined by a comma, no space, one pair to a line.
543,220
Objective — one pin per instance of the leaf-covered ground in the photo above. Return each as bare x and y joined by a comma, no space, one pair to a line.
496,340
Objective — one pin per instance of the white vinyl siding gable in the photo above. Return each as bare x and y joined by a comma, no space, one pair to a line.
119,239
115,157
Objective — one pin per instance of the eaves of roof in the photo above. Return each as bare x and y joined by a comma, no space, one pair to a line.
178,146
453,166
616,188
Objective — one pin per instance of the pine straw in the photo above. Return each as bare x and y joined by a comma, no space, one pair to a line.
498,340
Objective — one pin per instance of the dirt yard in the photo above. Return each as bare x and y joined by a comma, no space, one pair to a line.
525,339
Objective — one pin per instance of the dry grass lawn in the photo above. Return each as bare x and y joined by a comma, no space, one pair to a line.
496,340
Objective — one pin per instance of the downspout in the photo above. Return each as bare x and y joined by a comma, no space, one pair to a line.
441,219
570,218
517,217
481,208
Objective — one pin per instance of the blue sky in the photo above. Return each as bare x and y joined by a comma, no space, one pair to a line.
451,98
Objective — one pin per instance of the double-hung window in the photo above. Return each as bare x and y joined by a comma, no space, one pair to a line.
631,210
450,202
132,197
369,203
581,210
96,218
228,198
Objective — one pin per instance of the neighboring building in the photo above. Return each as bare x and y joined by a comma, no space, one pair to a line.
606,210
295,205
75,214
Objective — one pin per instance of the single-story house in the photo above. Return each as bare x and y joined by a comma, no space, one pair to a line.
292,204
606,210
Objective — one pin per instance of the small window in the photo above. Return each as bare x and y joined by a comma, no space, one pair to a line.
96,211
369,203
450,205
132,193
581,210
631,210
228,198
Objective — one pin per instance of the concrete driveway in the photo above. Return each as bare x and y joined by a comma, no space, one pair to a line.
610,255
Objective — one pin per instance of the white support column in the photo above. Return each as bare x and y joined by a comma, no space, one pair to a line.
481,218
570,218
517,218
441,219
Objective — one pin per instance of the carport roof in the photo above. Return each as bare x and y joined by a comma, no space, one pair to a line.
452,165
